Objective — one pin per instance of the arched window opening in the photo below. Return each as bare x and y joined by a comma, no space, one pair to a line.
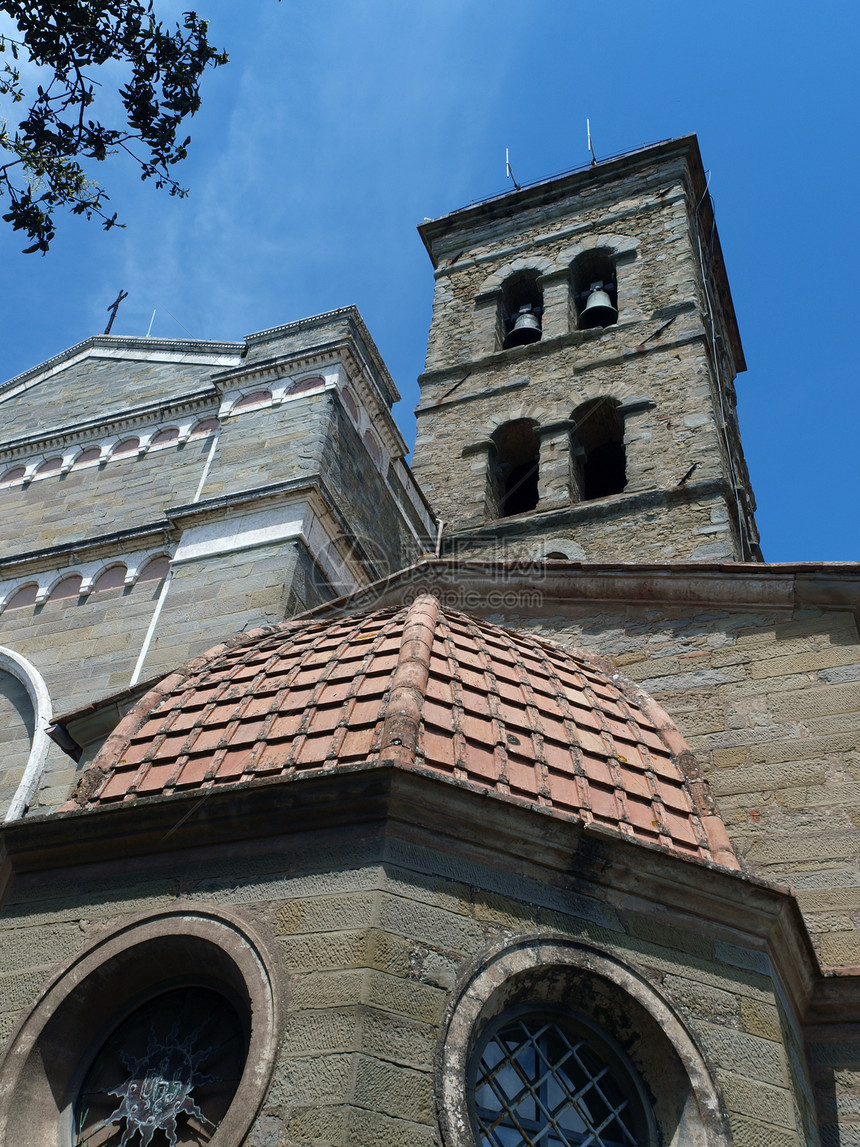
12,476
595,290
598,449
111,578
205,428
165,437
87,457
314,382
350,403
373,447
126,447
69,587
155,569
258,398
51,466
544,1075
516,467
23,597
521,310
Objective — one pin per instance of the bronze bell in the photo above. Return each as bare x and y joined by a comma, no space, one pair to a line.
526,329
598,310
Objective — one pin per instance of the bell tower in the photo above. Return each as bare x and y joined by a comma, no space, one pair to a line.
578,399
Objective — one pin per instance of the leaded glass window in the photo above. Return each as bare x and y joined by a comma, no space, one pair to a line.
553,1079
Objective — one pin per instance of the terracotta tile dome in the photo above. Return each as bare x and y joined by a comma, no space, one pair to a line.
426,689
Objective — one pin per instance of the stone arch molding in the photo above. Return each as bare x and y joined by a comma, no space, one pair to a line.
618,246
30,677
520,411
49,1052
488,988
495,281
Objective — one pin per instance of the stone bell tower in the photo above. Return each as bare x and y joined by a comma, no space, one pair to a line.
578,399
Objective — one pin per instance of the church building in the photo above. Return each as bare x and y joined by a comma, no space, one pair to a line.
505,800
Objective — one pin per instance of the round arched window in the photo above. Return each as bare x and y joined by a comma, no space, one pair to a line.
162,1033
549,1077
166,1074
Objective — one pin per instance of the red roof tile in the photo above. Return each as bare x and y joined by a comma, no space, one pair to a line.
426,688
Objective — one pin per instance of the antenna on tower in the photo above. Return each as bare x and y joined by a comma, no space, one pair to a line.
590,148
509,171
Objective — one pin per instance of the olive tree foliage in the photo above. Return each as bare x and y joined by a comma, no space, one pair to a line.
56,68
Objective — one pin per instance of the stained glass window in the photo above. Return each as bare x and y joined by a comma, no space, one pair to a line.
166,1075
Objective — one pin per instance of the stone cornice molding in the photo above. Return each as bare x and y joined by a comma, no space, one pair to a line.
358,332
167,530
615,357
687,585
193,351
113,421
735,908
149,535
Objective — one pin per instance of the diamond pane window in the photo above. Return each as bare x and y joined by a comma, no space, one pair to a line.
553,1079
166,1075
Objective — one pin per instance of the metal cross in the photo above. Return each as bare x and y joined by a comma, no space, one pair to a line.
113,308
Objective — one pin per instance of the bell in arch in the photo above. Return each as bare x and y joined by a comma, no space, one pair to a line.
598,310
526,328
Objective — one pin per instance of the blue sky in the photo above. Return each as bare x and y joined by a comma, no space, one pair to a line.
339,126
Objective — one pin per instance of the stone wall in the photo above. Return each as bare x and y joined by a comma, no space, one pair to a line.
125,493
373,934
656,362
81,390
653,527
768,702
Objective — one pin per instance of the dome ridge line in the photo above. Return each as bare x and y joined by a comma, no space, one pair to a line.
409,682
712,824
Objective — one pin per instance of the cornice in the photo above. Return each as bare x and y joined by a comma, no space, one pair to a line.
157,532
570,585
448,816
359,332
112,421
198,352
519,357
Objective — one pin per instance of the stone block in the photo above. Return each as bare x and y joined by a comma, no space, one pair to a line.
705,1002
427,888
746,1055
434,926
808,661
372,1129
504,912
330,1030
665,932
405,997
28,947
320,1079
841,948
393,1089
396,1038
765,778
325,951
814,702
768,1104
329,989
749,1132
318,1125
761,1019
